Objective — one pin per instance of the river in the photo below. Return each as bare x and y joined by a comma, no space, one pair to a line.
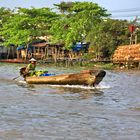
111,111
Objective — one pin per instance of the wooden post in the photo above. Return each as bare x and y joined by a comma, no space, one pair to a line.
13,51
45,52
138,65
8,52
18,53
131,38
27,51
55,54
135,39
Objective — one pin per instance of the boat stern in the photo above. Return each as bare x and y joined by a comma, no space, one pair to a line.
99,76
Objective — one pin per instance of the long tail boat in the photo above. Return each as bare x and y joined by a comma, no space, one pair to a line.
86,78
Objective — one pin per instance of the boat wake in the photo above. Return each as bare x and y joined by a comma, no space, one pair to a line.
21,81
81,87
100,86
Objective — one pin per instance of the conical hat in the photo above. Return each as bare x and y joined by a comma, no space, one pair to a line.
32,59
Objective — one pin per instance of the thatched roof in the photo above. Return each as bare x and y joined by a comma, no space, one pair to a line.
127,53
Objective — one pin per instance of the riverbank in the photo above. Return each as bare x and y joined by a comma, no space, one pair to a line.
106,65
80,63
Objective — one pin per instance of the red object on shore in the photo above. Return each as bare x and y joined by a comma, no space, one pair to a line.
13,61
132,28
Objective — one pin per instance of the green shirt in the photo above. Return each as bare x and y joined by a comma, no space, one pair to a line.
31,67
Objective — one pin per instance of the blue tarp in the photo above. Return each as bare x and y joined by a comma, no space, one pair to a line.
21,47
47,74
80,46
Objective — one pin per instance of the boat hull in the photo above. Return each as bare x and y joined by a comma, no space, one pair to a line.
13,61
87,78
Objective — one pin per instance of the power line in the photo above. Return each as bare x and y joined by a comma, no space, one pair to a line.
131,12
128,15
125,10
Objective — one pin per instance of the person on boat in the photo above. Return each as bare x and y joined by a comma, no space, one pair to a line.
30,69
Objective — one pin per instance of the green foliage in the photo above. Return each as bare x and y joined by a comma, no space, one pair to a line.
106,36
64,7
4,15
77,22
25,23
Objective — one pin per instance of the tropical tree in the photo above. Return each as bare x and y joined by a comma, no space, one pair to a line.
26,23
64,7
5,13
74,25
105,37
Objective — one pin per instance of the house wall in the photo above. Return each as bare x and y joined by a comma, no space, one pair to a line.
3,52
7,52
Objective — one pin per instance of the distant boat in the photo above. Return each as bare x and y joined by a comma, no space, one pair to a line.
14,60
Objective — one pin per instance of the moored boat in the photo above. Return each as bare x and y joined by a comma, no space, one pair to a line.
13,61
86,78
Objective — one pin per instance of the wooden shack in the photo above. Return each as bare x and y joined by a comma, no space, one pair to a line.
42,50
7,52
3,52
38,50
45,51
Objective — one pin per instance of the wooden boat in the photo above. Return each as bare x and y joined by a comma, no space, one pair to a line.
14,61
86,78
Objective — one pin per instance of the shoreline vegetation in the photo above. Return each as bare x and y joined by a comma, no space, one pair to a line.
82,32
89,65
85,65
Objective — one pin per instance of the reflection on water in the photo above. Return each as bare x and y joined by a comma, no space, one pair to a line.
51,112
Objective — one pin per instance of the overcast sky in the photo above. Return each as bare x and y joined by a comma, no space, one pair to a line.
128,9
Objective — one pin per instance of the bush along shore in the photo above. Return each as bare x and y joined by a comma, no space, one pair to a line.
87,64
81,63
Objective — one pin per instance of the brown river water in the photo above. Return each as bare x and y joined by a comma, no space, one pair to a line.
111,111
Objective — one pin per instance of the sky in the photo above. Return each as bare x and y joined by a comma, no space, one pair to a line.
120,9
